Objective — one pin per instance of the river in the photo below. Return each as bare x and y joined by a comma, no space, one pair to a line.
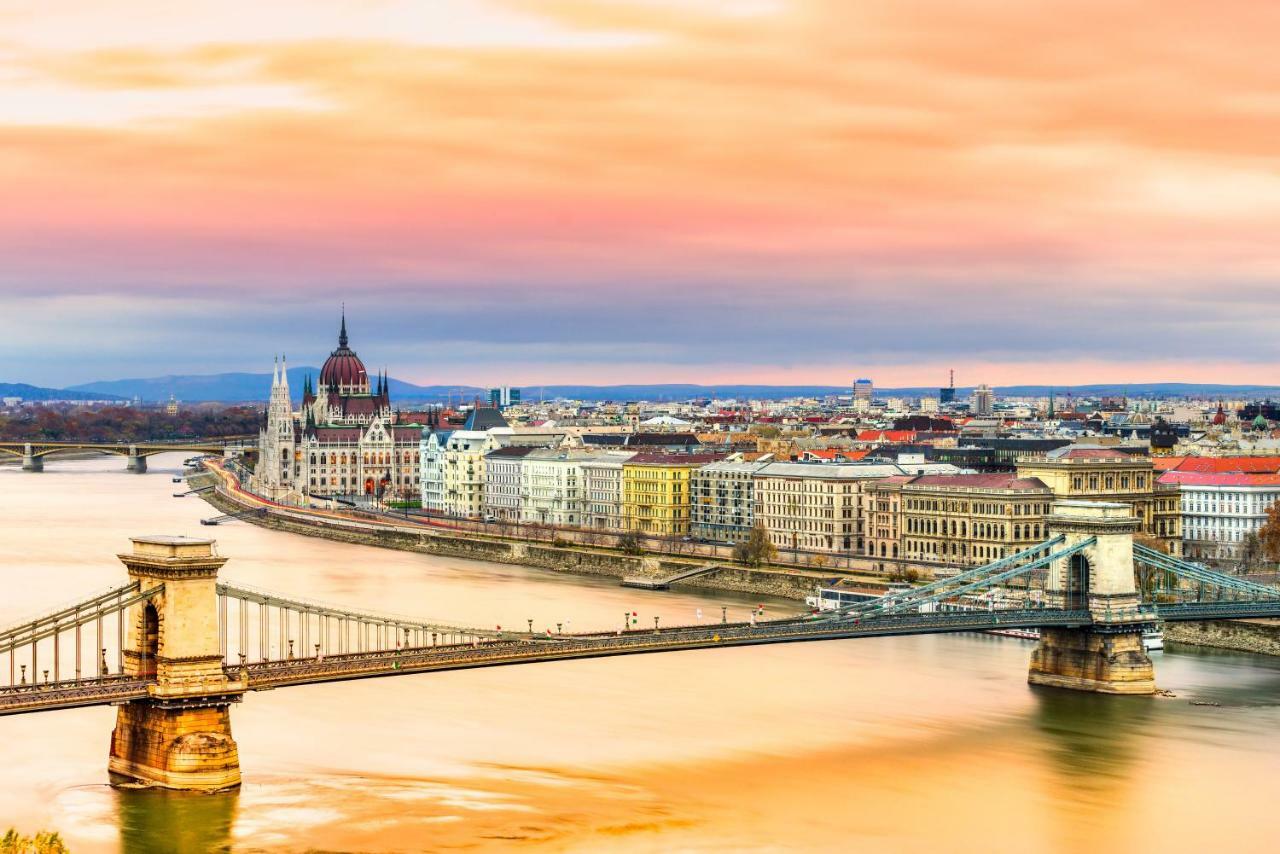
931,743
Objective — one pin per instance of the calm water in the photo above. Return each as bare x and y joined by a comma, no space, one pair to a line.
906,744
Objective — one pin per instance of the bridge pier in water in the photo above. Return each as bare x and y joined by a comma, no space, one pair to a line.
1107,656
135,462
31,462
179,737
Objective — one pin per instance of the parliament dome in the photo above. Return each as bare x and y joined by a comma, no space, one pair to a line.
344,369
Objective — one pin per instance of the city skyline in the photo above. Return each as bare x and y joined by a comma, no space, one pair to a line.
530,193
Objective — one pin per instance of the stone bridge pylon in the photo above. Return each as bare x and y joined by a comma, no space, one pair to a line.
179,737
1106,656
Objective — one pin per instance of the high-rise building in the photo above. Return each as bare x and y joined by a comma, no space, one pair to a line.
504,396
862,390
947,394
984,400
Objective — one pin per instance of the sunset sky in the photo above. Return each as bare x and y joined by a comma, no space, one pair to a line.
542,191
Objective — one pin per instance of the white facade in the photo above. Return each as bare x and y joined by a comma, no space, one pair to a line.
463,472
431,456
602,491
551,487
1217,517
502,488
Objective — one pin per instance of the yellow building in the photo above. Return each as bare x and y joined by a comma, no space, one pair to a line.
655,492
972,519
1105,474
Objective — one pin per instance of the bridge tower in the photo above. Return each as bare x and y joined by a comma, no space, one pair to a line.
31,462
1106,656
179,737
135,463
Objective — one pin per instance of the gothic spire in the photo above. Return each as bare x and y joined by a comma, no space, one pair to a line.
342,334
275,372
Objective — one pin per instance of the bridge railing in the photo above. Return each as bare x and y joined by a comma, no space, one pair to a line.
38,650
1236,588
259,625
357,665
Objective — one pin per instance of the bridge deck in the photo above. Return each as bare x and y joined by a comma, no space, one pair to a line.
266,675
278,674
68,695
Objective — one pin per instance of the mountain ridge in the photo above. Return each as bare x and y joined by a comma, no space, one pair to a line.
236,387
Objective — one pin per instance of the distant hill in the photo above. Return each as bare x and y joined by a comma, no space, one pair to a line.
240,387
35,392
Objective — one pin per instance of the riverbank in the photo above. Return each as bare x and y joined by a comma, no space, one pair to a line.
1256,636
786,583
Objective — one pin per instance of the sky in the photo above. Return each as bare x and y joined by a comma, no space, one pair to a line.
605,191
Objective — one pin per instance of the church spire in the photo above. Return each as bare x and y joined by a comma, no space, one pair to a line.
342,334
275,372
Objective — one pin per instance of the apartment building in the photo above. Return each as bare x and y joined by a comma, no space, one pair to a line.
655,491
722,496
502,482
602,490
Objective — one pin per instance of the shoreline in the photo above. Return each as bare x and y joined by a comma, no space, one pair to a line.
794,584
1260,637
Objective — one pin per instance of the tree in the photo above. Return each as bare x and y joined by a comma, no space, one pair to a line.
1269,534
1250,551
756,549
630,543
44,842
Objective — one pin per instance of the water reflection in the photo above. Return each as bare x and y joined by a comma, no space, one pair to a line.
1092,739
154,820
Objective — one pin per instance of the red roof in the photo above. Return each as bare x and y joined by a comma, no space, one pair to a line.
892,436
1254,465
1195,478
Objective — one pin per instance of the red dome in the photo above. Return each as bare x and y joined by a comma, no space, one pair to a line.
344,369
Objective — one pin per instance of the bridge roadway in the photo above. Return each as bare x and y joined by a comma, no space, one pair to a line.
268,675
125,449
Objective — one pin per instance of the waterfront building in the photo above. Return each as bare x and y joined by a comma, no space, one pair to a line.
431,479
722,498
502,482
602,490
882,517
345,440
463,472
1085,473
655,491
971,519
814,506
1222,501
551,486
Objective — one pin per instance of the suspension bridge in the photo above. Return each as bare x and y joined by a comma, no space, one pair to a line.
34,454
175,647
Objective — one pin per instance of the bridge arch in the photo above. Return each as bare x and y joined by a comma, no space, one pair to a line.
149,640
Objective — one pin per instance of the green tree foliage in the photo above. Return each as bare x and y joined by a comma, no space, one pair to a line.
44,842
127,423
756,549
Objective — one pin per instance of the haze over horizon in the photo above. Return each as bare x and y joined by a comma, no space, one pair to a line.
540,192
